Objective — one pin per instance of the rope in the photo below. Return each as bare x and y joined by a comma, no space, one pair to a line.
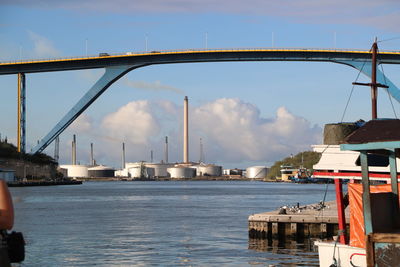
321,211
390,39
335,264
351,92
387,90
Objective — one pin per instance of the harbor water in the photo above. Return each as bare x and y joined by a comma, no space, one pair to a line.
170,223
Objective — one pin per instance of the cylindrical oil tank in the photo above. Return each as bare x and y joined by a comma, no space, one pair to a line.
101,171
135,172
209,170
149,172
160,169
181,172
256,172
76,171
141,172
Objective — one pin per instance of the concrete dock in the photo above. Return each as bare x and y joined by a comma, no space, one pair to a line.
315,220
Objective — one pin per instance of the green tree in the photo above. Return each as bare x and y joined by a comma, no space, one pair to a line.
304,159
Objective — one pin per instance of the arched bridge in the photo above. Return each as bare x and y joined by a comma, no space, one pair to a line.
117,65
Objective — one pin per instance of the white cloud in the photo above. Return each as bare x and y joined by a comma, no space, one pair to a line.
132,123
42,47
83,124
236,132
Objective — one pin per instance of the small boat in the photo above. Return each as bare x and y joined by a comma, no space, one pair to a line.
368,154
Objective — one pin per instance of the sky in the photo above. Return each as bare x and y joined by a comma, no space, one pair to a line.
247,113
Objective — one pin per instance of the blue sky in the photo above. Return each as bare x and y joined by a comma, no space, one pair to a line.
247,113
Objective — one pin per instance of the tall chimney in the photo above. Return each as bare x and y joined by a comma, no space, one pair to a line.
201,160
91,154
166,150
186,130
151,156
74,150
123,155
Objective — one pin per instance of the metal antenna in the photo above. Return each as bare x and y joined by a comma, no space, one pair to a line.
201,151
123,155
57,149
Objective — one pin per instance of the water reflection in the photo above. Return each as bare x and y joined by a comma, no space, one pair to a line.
156,224
285,250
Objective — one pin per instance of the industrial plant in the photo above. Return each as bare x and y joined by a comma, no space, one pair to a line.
163,170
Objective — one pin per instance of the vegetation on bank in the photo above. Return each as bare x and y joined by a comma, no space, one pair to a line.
9,151
304,159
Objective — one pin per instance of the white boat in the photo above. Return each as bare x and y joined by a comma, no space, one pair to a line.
338,164
374,231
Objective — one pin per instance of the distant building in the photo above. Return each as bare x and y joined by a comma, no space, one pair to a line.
288,172
233,172
7,175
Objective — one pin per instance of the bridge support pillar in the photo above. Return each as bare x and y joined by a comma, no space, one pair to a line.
21,113
110,75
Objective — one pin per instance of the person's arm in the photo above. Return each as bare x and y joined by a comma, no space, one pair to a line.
6,207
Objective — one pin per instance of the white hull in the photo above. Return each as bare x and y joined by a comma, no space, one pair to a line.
336,163
344,255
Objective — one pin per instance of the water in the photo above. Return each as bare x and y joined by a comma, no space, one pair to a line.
182,223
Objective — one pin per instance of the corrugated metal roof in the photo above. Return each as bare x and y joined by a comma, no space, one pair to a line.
380,130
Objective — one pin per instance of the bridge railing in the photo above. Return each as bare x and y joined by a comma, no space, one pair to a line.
194,50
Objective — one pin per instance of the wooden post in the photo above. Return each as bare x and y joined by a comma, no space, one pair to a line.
340,210
324,231
275,229
293,229
374,87
366,193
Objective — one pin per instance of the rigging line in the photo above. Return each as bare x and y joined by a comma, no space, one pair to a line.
351,92
389,39
387,90
321,212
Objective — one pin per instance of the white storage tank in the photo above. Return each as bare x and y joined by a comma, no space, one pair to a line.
256,172
129,165
122,173
209,170
149,172
135,172
160,169
181,172
141,172
101,171
76,171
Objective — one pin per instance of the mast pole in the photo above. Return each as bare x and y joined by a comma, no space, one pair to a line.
373,84
374,87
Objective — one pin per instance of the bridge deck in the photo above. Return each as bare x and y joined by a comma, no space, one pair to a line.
188,56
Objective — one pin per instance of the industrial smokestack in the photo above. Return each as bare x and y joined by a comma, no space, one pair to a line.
91,154
166,150
123,155
151,156
201,160
56,148
74,150
186,130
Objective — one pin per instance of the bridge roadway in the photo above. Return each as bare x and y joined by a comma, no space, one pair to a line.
117,65
191,56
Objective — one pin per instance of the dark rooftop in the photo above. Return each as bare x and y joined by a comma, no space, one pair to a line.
380,130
